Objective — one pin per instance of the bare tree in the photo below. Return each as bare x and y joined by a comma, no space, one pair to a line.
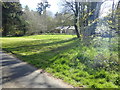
85,16
74,7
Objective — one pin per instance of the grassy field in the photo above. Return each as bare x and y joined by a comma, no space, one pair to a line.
65,57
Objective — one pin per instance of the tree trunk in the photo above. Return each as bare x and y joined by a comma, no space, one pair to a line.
4,33
75,20
118,18
112,16
76,29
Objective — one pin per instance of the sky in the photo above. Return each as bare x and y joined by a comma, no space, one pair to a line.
105,8
32,4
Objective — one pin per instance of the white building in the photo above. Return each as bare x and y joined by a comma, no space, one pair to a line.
66,29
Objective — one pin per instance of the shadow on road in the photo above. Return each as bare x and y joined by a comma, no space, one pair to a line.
13,70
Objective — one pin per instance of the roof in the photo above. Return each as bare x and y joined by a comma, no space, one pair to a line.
65,27
60,27
72,27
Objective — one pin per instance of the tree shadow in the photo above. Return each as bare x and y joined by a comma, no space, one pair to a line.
18,70
36,46
43,59
24,74
13,69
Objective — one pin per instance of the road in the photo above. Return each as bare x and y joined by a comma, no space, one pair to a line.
19,74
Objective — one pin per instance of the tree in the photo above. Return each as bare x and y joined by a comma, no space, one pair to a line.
74,7
85,16
32,20
42,7
118,18
38,23
64,19
11,18
0,19
112,20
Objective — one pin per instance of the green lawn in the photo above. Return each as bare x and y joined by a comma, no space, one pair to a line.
65,57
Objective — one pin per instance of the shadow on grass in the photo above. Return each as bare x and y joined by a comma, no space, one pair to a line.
47,59
42,59
36,46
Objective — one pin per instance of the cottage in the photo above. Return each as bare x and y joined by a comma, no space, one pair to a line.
65,29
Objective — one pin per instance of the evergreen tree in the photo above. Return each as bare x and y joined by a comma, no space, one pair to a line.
11,18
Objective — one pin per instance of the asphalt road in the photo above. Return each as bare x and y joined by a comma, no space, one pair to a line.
19,74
